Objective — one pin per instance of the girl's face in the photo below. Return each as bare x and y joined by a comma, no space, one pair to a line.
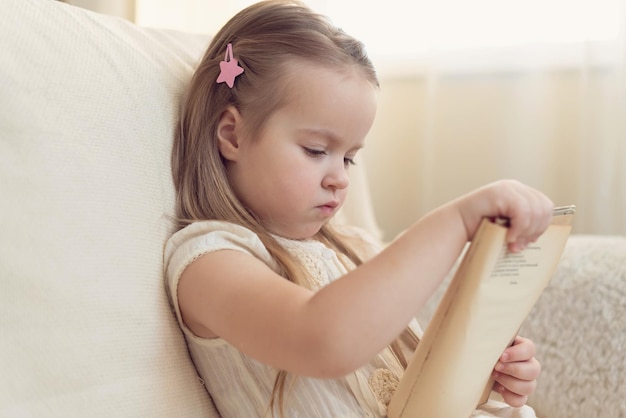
294,174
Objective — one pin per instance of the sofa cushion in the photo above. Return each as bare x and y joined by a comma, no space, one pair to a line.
87,110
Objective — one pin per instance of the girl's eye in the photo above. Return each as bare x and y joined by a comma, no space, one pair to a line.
314,152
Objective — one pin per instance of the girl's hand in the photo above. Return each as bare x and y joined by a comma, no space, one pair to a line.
516,372
529,211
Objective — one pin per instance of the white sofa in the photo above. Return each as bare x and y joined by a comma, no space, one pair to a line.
87,108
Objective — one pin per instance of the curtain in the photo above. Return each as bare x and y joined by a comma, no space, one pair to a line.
550,115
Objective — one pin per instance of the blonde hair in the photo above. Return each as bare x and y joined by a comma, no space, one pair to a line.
266,37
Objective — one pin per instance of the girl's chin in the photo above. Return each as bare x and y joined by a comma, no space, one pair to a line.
298,234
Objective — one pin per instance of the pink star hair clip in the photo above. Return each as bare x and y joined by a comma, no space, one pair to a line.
229,68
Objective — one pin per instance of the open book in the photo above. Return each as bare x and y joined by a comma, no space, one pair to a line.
481,312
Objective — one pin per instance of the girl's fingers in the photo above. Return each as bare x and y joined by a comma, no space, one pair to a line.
511,398
530,217
522,349
528,370
515,385
517,371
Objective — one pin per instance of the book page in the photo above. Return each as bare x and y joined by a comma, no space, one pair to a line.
483,308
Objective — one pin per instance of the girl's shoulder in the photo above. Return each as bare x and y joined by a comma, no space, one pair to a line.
213,229
213,233
202,237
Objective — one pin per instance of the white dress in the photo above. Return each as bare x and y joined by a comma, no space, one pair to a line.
241,386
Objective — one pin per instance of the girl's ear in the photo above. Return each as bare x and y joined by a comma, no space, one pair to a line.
229,129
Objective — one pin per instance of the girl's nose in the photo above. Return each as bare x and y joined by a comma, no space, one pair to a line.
337,177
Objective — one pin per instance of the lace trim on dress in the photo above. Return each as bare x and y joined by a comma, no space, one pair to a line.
383,384
311,254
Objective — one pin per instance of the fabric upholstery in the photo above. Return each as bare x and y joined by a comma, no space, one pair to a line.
87,107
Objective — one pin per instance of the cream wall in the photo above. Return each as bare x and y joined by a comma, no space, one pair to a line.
434,140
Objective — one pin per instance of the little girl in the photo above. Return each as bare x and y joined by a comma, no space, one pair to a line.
285,314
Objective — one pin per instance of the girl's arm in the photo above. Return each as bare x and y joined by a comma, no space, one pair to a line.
342,326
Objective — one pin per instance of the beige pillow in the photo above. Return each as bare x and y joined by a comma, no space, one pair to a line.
87,107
